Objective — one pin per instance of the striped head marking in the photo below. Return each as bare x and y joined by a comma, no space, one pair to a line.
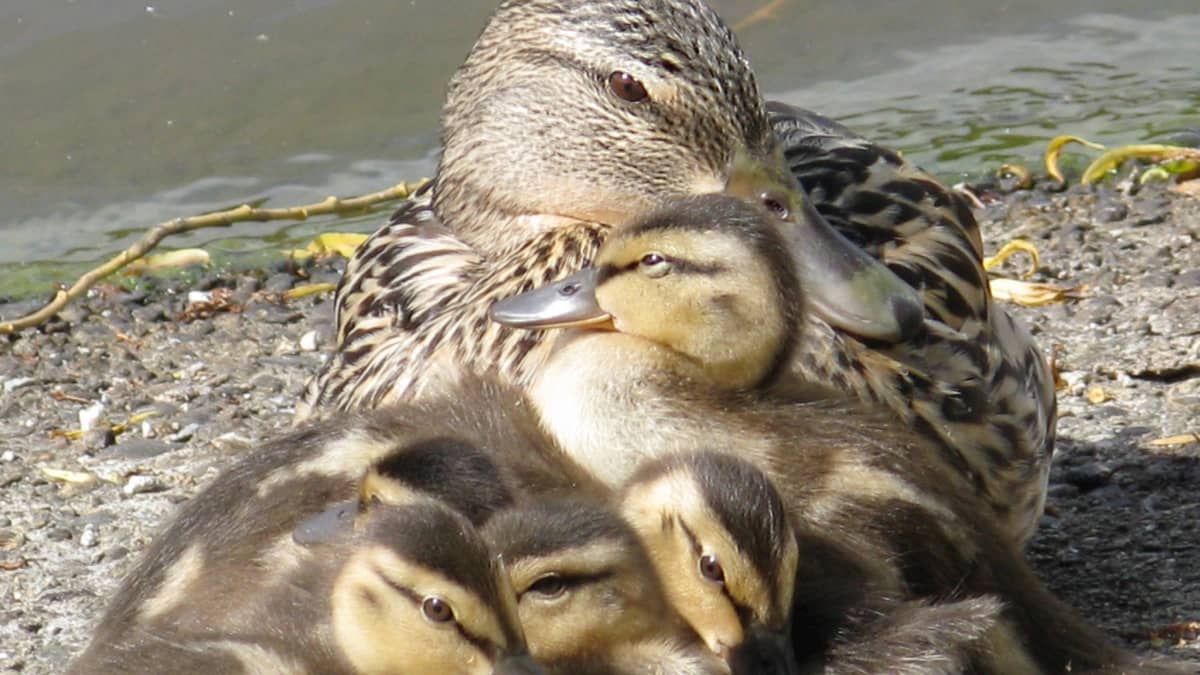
421,592
722,542
583,582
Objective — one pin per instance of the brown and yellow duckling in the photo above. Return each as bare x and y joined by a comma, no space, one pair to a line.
410,589
246,537
569,118
682,327
718,531
588,597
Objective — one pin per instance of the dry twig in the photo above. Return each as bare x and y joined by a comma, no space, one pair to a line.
241,214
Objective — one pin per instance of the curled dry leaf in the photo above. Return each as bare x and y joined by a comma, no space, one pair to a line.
1178,439
1030,294
330,243
1175,157
1012,248
65,476
1097,394
1054,149
308,289
170,260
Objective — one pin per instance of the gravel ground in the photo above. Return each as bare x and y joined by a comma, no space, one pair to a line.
221,370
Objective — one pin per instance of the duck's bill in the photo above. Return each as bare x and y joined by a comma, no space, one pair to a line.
517,665
566,303
844,285
764,651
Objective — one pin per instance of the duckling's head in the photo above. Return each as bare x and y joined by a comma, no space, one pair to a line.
709,278
457,473
421,592
722,543
585,588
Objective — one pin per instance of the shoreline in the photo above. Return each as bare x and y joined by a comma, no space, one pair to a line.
220,359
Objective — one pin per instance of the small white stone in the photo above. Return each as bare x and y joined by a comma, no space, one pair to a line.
308,341
8,456
139,484
88,538
16,383
89,416
197,297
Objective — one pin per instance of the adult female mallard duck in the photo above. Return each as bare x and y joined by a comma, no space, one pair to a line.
682,327
570,117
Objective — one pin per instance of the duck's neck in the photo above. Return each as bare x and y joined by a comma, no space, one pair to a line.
612,401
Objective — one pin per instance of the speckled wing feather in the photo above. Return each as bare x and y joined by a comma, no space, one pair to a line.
411,310
975,379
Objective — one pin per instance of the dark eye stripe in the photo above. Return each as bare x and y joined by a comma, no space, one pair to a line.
481,643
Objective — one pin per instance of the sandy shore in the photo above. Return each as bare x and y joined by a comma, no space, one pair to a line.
1121,542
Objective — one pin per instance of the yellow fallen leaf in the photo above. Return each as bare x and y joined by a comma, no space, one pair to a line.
1011,248
185,257
1096,394
1023,175
1031,294
1179,439
331,243
307,290
65,476
1112,159
1054,149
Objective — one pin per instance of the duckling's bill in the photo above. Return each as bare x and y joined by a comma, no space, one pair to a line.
844,285
567,303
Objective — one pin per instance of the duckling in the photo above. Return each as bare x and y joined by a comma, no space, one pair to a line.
570,118
681,329
254,528
587,595
415,590
717,528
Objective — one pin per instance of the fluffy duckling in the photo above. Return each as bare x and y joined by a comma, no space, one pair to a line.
245,536
718,531
413,590
588,597
569,118
689,315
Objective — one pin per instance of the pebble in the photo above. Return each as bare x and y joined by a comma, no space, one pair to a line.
308,341
15,383
91,416
8,456
88,538
185,434
139,448
142,484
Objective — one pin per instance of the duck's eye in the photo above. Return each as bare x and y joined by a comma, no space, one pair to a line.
711,569
776,204
654,265
549,586
437,610
627,87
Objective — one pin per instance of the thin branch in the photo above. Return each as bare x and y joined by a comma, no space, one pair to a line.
241,214
759,15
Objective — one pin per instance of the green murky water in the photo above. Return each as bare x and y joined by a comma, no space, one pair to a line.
117,116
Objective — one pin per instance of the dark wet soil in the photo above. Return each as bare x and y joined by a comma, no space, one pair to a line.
220,362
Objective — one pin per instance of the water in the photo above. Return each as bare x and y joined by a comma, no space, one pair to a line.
118,115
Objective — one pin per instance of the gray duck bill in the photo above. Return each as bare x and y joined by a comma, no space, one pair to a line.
568,302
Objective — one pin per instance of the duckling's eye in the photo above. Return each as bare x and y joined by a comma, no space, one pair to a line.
654,265
776,204
627,87
711,569
437,610
549,586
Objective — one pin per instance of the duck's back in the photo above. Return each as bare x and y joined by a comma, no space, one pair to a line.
974,380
